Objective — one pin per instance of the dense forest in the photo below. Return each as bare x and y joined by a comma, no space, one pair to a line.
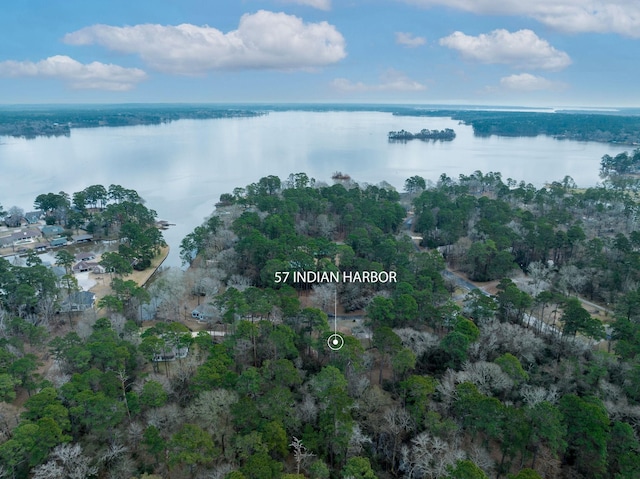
520,379
578,126
59,121
573,125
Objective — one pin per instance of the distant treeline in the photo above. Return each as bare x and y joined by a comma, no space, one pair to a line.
58,121
443,135
571,126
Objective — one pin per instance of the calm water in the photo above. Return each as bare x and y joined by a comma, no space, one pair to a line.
182,168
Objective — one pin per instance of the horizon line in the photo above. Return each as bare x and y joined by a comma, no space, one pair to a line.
439,105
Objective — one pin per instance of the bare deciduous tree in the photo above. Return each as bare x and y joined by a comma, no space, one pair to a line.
326,226
623,411
8,421
372,405
419,342
123,378
354,296
357,385
357,441
300,453
218,472
302,227
183,372
548,464
533,395
239,282
570,278
538,277
4,317
135,433
167,417
167,293
113,452
307,410
498,338
487,377
227,261
447,388
482,458
57,377
117,323
398,424
212,411
66,461
323,297
429,457
84,325
123,467
49,470
47,309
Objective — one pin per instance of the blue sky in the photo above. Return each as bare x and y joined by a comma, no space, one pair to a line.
486,52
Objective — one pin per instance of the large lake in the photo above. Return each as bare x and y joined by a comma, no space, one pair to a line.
181,168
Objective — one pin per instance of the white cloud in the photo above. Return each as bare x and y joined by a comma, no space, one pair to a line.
409,40
392,80
521,49
264,40
527,82
319,4
599,16
95,75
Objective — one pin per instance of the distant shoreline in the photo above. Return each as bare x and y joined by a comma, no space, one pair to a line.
601,127
53,122
613,126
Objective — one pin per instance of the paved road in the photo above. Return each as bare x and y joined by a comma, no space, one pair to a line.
463,283
468,286
596,306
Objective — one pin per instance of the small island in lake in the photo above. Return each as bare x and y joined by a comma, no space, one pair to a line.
340,176
443,135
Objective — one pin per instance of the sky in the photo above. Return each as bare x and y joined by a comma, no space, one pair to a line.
543,53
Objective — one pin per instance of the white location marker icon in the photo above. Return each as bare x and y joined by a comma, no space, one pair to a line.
335,342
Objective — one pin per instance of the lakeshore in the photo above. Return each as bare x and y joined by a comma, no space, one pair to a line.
182,167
